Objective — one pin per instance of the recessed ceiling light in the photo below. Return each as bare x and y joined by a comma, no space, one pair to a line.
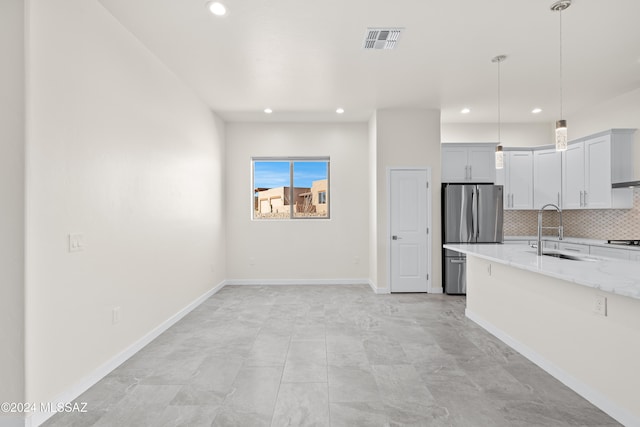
217,8
268,110
465,111
340,110
536,110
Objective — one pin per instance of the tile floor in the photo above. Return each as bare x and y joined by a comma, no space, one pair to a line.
329,356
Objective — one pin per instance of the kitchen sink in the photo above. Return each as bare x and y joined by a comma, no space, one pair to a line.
568,256
564,256
571,257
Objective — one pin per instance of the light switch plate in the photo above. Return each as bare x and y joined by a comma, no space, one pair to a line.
76,242
600,305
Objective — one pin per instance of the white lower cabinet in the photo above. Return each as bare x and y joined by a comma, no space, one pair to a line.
614,253
516,242
573,247
618,253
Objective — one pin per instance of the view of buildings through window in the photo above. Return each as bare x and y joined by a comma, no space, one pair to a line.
285,188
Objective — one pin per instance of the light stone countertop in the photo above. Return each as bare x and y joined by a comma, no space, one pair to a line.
607,275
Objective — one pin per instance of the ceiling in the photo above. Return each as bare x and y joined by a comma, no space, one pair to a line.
304,58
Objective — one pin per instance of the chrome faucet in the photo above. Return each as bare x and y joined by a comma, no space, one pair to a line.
540,227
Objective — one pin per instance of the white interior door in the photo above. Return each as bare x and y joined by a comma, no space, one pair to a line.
409,233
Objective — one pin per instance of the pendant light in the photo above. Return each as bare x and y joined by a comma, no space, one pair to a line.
499,152
561,125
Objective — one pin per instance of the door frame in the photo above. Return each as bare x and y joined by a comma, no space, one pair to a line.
429,211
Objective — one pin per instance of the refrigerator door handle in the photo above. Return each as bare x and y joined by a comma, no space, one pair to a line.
474,214
477,214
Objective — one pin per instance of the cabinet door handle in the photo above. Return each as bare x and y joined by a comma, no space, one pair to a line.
470,172
457,261
466,172
558,198
572,249
586,201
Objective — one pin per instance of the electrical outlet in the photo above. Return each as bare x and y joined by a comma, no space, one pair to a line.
600,305
76,242
115,315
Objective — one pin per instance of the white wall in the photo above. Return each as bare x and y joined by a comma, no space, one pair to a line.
511,134
620,112
12,139
119,150
407,138
300,249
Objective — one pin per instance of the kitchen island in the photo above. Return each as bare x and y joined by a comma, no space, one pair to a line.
577,319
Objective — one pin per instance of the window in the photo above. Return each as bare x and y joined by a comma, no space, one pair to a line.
322,197
290,187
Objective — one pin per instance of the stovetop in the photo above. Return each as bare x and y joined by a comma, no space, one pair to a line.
624,242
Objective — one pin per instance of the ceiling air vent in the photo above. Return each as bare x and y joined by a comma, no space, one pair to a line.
382,38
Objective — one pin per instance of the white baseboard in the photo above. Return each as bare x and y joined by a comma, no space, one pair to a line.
37,418
276,282
387,290
592,395
377,290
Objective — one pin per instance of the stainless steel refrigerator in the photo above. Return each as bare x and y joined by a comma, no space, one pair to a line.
471,213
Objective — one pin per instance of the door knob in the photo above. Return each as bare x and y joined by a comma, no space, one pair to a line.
396,238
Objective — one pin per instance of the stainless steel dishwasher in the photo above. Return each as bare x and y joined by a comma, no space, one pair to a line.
455,272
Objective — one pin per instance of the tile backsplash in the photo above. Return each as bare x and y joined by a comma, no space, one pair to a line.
592,223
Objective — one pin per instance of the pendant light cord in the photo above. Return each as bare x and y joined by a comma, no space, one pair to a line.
560,64
499,138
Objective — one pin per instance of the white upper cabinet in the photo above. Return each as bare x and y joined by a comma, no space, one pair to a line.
591,165
597,173
573,177
482,163
518,179
468,163
455,165
547,177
